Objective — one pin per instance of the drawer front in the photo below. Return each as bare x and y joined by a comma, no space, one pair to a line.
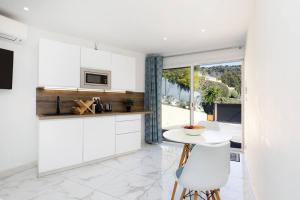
128,127
120,118
128,142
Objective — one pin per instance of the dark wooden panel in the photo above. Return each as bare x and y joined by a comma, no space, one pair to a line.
46,100
229,113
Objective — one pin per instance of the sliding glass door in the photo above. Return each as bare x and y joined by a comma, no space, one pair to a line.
183,89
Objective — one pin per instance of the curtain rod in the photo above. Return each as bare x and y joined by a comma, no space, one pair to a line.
207,51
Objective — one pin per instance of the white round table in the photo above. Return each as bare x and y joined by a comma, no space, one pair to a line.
207,136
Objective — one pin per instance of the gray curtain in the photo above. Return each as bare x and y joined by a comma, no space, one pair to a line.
153,81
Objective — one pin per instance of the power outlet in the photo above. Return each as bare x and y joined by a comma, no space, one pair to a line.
96,98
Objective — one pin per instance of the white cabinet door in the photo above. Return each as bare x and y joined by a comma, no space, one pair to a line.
95,59
123,72
128,142
99,137
59,64
60,143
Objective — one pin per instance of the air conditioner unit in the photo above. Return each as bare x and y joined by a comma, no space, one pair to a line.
12,30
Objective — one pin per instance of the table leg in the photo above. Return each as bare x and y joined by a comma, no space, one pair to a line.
213,195
196,195
183,159
174,190
207,195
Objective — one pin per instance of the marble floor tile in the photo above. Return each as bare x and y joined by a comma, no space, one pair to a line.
147,174
127,186
93,176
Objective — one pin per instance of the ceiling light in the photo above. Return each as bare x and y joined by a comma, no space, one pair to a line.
165,38
203,30
26,8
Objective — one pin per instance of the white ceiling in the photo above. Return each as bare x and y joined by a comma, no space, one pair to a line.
141,25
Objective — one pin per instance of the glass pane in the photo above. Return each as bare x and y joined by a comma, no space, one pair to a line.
199,114
176,97
96,78
225,79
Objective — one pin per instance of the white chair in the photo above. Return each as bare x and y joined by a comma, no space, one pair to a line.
206,170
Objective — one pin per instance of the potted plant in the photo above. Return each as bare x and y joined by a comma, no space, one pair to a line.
210,95
128,103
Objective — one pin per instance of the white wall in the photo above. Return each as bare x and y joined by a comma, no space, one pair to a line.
18,125
208,57
272,106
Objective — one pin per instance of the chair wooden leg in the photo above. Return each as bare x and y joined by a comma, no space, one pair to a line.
196,195
182,194
213,195
174,190
207,195
217,192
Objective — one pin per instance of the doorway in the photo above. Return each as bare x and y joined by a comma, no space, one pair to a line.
183,89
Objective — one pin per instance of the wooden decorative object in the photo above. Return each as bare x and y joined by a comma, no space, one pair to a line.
83,107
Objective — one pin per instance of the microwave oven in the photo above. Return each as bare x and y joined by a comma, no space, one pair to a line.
95,79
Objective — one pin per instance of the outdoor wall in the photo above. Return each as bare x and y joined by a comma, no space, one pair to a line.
18,123
272,101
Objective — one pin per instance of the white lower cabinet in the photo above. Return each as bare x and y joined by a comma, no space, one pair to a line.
67,142
60,143
128,142
128,133
99,138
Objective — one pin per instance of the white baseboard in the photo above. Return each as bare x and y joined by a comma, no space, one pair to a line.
249,177
10,172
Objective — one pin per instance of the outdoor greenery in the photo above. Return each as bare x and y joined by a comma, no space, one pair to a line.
181,77
228,74
215,84
232,79
223,90
229,100
209,97
233,94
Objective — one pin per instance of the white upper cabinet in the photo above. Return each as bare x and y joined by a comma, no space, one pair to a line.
59,64
95,59
123,72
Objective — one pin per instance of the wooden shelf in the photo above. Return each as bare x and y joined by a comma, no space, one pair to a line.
66,116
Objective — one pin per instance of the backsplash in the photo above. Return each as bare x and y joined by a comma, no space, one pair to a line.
46,100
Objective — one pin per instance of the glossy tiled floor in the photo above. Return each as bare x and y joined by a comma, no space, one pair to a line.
145,175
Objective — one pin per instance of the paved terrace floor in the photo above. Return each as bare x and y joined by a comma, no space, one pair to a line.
174,117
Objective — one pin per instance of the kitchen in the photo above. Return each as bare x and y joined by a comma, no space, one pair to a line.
68,138
81,106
